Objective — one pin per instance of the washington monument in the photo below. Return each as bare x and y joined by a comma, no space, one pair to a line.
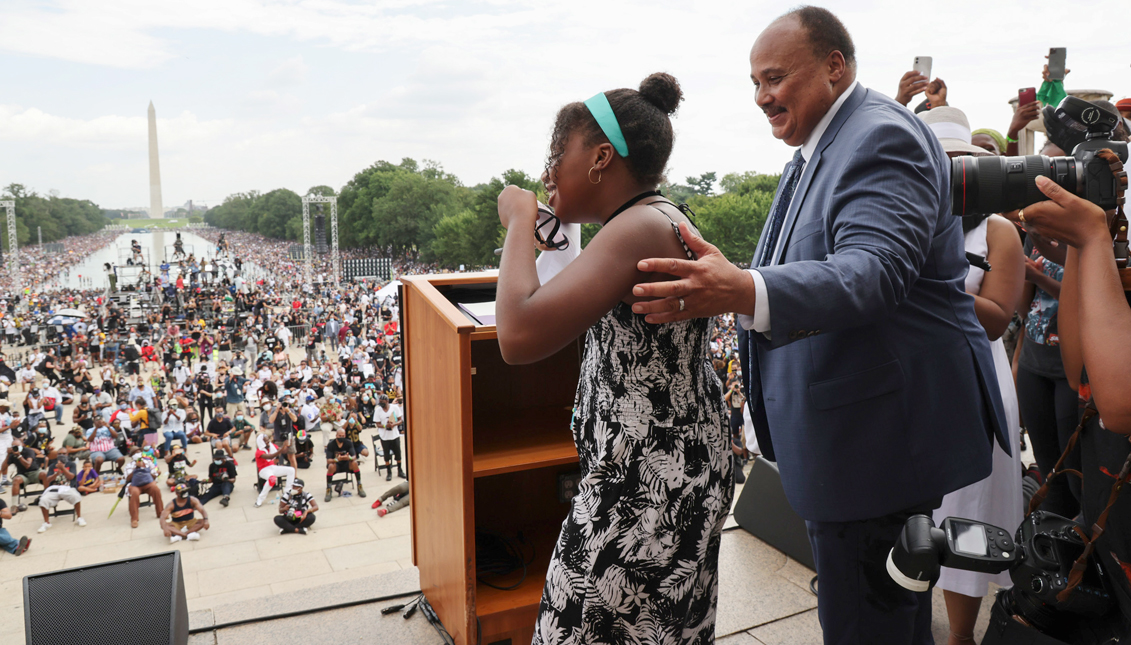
156,210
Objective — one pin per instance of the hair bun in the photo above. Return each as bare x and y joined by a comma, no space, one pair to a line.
662,90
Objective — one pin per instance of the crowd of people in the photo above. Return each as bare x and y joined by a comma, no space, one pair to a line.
42,267
117,397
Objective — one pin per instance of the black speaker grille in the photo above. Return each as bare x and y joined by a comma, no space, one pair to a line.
113,604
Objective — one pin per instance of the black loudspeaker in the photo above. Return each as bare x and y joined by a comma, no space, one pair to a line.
320,246
140,601
763,510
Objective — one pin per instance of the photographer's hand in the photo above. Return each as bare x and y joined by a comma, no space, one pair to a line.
911,84
1102,321
1064,217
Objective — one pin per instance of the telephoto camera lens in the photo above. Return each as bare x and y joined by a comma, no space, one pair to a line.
1003,184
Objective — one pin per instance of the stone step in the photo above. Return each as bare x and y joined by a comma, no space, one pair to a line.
358,624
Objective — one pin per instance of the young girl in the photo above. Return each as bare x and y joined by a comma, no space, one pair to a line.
637,559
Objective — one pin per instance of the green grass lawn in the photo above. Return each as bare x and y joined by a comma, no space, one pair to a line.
152,223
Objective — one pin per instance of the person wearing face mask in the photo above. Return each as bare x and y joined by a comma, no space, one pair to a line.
102,439
312,415
33,407
341,456
179,520
367,402
296,510
179,463
174,427
304,449
388,430
353,433
141,474
266,461
242,431
222,474
121,417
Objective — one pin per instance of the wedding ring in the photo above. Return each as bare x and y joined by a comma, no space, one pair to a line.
682,304
1021,215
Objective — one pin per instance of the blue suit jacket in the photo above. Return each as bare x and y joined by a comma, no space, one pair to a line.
876,389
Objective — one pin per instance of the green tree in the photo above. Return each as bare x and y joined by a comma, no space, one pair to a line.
678,193
234,213
470,237
57,216
749,182
453,240
272,212
322,191
396,207
733,221
703,184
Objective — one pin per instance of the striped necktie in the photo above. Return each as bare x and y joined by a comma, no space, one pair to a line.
788,184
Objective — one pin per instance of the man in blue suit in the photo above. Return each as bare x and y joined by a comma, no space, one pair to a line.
870,381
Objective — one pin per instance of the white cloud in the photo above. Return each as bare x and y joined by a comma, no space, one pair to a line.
292,71
106,132
118,33
474,85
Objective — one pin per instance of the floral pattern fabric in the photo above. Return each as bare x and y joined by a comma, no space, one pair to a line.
637,558
1041,323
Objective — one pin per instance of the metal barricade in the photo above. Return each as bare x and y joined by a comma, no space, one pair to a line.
298,332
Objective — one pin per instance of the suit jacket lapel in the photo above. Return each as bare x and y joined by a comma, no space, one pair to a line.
846,109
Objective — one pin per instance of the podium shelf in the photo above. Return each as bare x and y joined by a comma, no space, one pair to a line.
523,439
527,595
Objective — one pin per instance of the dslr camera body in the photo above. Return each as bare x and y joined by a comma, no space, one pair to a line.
1003,184
1039,558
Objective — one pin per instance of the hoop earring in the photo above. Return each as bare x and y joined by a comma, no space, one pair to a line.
591,175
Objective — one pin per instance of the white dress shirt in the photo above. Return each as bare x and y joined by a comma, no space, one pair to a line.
760,321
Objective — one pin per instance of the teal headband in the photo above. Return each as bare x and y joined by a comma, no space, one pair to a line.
601,110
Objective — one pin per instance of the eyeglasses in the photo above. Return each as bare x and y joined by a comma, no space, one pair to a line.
554,225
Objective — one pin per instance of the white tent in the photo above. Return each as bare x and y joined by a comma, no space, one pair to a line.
389,290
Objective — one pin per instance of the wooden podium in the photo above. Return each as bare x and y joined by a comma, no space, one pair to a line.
487,443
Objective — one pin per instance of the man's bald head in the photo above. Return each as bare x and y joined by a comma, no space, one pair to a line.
825,31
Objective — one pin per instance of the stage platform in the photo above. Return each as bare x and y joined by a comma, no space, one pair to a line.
764,600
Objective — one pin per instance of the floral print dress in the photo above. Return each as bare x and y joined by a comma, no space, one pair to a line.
637,558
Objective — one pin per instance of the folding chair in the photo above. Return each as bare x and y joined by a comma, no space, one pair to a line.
26,493
340,480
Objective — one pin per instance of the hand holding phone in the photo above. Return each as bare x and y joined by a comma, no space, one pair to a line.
1026,95
1056,67
923,65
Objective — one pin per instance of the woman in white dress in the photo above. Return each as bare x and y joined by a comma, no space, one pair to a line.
997,499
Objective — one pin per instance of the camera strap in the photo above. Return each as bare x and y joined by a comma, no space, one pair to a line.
1119,222
1081,564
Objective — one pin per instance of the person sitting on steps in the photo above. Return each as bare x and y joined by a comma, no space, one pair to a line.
179,521
296,510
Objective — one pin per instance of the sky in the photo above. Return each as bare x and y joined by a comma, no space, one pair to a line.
265,94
